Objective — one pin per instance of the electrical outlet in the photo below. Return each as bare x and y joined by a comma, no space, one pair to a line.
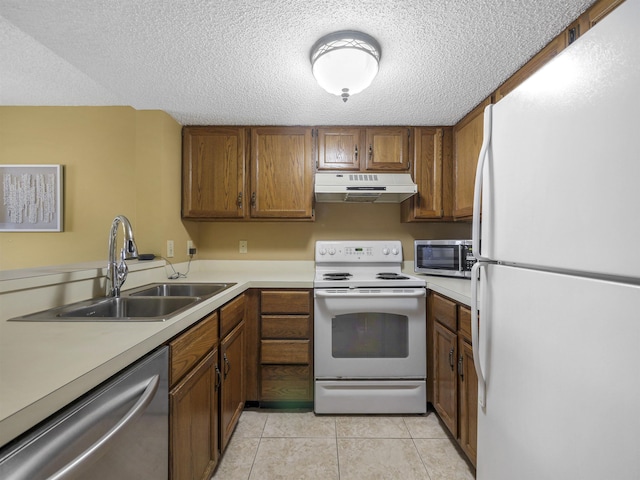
169,248
242,247
191,249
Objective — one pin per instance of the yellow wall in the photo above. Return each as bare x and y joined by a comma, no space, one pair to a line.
121,161
334,221
116,161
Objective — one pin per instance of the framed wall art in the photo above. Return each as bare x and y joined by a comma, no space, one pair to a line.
31,198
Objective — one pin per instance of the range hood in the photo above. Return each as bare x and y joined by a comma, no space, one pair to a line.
364,187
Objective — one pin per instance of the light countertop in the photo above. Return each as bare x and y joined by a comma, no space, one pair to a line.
46,365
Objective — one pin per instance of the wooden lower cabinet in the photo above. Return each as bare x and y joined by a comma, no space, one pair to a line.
232,392
286,373
286,383
468,394
193,401
194,422
454,380
446,377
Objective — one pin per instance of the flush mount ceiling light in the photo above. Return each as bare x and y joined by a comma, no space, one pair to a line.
345,63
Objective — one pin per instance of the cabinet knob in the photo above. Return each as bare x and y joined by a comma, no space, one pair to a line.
370,152
450,359
460,367
253,199
239,201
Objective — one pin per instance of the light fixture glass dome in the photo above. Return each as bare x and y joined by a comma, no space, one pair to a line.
345,63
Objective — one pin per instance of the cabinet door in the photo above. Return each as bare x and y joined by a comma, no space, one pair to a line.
467,141
232,394
193,405
213,172
339,148
387,149
468,400
281,173
446,379
432,172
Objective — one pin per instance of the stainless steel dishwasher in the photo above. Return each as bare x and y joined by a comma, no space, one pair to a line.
118,431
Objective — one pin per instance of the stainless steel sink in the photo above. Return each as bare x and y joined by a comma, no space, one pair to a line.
155,302
130,307
116,309
202,290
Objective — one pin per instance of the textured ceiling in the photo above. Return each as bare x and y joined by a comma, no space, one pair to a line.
247,61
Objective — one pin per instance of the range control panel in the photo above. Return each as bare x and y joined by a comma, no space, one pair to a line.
359,251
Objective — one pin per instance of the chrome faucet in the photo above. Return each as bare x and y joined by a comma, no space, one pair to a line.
117,272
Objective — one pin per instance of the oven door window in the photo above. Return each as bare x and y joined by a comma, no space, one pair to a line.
370,335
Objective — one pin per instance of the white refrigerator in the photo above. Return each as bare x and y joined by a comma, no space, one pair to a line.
557,341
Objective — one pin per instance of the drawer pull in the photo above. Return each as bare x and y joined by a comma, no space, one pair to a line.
218,378
227,365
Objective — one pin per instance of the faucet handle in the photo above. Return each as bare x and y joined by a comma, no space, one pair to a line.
122,269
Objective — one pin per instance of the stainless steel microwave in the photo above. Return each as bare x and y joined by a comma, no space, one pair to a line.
451,258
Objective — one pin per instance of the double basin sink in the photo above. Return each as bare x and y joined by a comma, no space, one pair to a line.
155,302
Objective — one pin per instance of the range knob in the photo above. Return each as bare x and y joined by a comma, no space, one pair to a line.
385,251
322,251
332,251
395,251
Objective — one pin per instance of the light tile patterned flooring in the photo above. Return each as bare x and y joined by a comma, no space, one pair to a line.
300,445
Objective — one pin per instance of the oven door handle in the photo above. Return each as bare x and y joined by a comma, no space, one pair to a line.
405,293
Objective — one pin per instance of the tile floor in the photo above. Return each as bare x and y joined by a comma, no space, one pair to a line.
299,445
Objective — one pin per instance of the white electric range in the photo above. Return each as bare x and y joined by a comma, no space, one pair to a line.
369,330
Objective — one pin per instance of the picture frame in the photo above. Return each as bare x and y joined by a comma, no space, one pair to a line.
31,197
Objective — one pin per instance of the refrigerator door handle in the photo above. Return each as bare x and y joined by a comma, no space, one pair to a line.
477,191
475,336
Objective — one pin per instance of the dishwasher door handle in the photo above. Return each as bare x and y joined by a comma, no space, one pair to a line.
136,410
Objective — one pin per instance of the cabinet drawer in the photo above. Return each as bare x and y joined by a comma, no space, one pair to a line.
285,382
285,301
285,351
191,346
464,321
231,314
444,312
285,326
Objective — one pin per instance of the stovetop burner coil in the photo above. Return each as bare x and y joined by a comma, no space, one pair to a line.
391,276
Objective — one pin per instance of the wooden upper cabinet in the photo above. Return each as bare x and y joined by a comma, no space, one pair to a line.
387,148
467,141
340,148
364,149
593,15
541,58
597,12
213,172
432,171
281,172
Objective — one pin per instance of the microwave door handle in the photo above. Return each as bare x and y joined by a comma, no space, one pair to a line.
460,261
